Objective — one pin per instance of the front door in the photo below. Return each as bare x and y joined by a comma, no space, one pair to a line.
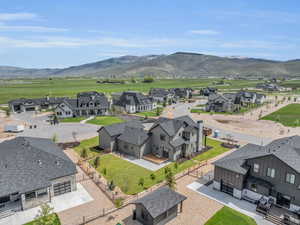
283,200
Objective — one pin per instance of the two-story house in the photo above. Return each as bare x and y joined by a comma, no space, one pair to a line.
133,102
161,95
254,171
86,104
166,138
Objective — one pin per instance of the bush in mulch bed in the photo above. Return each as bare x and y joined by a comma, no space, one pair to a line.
229,145
69,145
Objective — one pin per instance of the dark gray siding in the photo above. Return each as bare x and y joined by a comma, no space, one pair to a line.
147,220
228,177
279,181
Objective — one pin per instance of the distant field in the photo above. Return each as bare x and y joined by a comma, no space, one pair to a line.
70,87
288,116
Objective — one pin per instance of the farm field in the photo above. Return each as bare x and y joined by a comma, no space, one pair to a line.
288,116
60,87
127,175
226,215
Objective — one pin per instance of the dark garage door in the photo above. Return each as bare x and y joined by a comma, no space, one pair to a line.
62,188
227,189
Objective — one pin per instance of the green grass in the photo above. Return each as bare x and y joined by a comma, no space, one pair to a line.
288,116
105,120
152,113
72,120
69,87
91,145
228,216
126,175
56,221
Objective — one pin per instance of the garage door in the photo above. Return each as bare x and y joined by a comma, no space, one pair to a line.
30,109
62,188
227,189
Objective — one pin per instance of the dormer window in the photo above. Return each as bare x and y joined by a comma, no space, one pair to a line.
256,168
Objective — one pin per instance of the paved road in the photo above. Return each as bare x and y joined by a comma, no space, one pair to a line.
181,109
63,131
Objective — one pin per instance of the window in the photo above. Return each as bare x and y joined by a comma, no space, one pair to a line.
256,168
271,172
41,193
290,178
30,195
162,137
253,187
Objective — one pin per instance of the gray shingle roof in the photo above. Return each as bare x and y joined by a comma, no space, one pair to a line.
28,164
134,135
118,128
286,149
134,98
161,200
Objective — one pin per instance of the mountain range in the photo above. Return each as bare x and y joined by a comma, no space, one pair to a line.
177,65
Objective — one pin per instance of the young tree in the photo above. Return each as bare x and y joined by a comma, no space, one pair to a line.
176,165
112,185
141,182
158,111
97,162
152,176
83,153
54,138
170,180
45,216
104,171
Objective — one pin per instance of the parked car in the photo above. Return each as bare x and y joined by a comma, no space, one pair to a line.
14,128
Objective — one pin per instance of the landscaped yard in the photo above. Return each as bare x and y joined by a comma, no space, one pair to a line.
228,216
126,175
71,120
152,113
288,116
56,221
90,145
105,120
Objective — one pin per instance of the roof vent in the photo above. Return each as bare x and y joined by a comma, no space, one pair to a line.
40,162
57,163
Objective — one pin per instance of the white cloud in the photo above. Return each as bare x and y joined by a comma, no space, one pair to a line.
17,16
4,27
204,32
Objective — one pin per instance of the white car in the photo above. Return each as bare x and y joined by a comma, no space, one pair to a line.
14,128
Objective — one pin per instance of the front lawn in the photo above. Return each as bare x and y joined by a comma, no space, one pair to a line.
90,145
153,113
126,175
288,116
56,221
71,119
105,120
228,216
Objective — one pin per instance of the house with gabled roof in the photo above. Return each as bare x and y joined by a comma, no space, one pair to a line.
271,171
133,102
159,207
162,95
171,139
86,104
32,171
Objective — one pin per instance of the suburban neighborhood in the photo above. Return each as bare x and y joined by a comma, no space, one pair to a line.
149,112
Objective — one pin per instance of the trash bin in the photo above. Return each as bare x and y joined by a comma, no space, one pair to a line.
216,133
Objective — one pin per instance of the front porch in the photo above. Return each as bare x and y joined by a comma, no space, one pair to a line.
155,159
282,215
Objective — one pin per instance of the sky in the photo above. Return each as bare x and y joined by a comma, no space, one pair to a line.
62,33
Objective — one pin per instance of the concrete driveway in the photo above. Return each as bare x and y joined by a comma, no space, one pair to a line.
64,131
59,203
229,201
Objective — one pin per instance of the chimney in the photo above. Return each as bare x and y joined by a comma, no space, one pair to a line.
199,142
